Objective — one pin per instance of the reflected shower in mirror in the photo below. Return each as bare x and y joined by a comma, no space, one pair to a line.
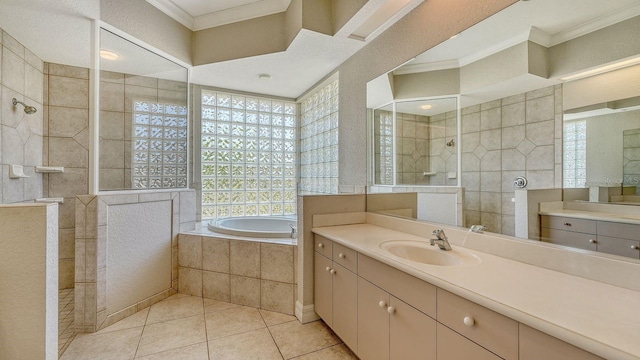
415,142
143,118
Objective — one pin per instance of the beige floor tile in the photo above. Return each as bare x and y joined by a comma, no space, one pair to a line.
274,318
175,308
172,334
112,345
233,321
256,344
337,352
136,320
295,339
215,305
192,352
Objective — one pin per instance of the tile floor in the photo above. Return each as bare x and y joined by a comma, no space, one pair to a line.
66,329
187,327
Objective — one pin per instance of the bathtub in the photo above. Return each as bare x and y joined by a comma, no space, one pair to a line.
256,226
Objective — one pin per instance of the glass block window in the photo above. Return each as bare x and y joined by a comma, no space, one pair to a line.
383,136
159,145
319,141
248,156
575,154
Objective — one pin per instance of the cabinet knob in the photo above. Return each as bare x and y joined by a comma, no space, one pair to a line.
333,271
320,245
341,256
635,247
469,321
327,269
593,241
382,303
567,224
391,309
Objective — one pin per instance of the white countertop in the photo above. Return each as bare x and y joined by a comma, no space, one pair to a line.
593,215
595,316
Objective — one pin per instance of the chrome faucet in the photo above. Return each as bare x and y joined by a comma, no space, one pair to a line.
441,240
477,228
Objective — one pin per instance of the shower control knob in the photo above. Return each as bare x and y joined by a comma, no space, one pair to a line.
391,309
341,256
382,303
320,245
593,241
327,269
332,271
635,247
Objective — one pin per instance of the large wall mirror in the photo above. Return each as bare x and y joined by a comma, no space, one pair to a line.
601,141
143,118
524,78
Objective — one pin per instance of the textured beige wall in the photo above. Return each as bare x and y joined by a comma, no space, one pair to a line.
145,22
504,65
426,26
259,36
613,43
343,11
430,83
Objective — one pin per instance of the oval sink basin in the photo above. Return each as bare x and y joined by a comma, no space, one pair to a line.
421,252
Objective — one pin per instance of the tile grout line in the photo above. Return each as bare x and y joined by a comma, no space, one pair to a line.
271,334
142,332
206,333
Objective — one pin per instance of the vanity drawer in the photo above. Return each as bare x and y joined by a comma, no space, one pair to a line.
618,230
487,328
569,224
415,292
345,257
569,238
323,245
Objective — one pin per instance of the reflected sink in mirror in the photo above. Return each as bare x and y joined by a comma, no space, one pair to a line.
422,252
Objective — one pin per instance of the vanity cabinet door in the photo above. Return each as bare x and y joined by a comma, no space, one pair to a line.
616,246
323,288
412,334
453,346
536,345
373,322
345,302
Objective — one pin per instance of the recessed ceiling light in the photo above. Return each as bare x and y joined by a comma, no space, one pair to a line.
109,55
264,77
426,107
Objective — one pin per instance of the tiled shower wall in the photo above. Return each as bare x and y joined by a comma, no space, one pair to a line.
412,148
516,136
66,143
20,133
443,148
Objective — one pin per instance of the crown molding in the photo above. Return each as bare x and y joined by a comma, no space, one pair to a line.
594,25
424,67
174,11
240,13
496,48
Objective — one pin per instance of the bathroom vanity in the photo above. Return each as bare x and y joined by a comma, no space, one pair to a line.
389,295
595,227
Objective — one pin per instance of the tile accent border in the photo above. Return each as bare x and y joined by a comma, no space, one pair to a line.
92,223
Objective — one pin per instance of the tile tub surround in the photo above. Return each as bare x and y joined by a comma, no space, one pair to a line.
187,327
251,273
92,227
66,328
578,284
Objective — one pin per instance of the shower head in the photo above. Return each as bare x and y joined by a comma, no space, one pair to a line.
27,109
